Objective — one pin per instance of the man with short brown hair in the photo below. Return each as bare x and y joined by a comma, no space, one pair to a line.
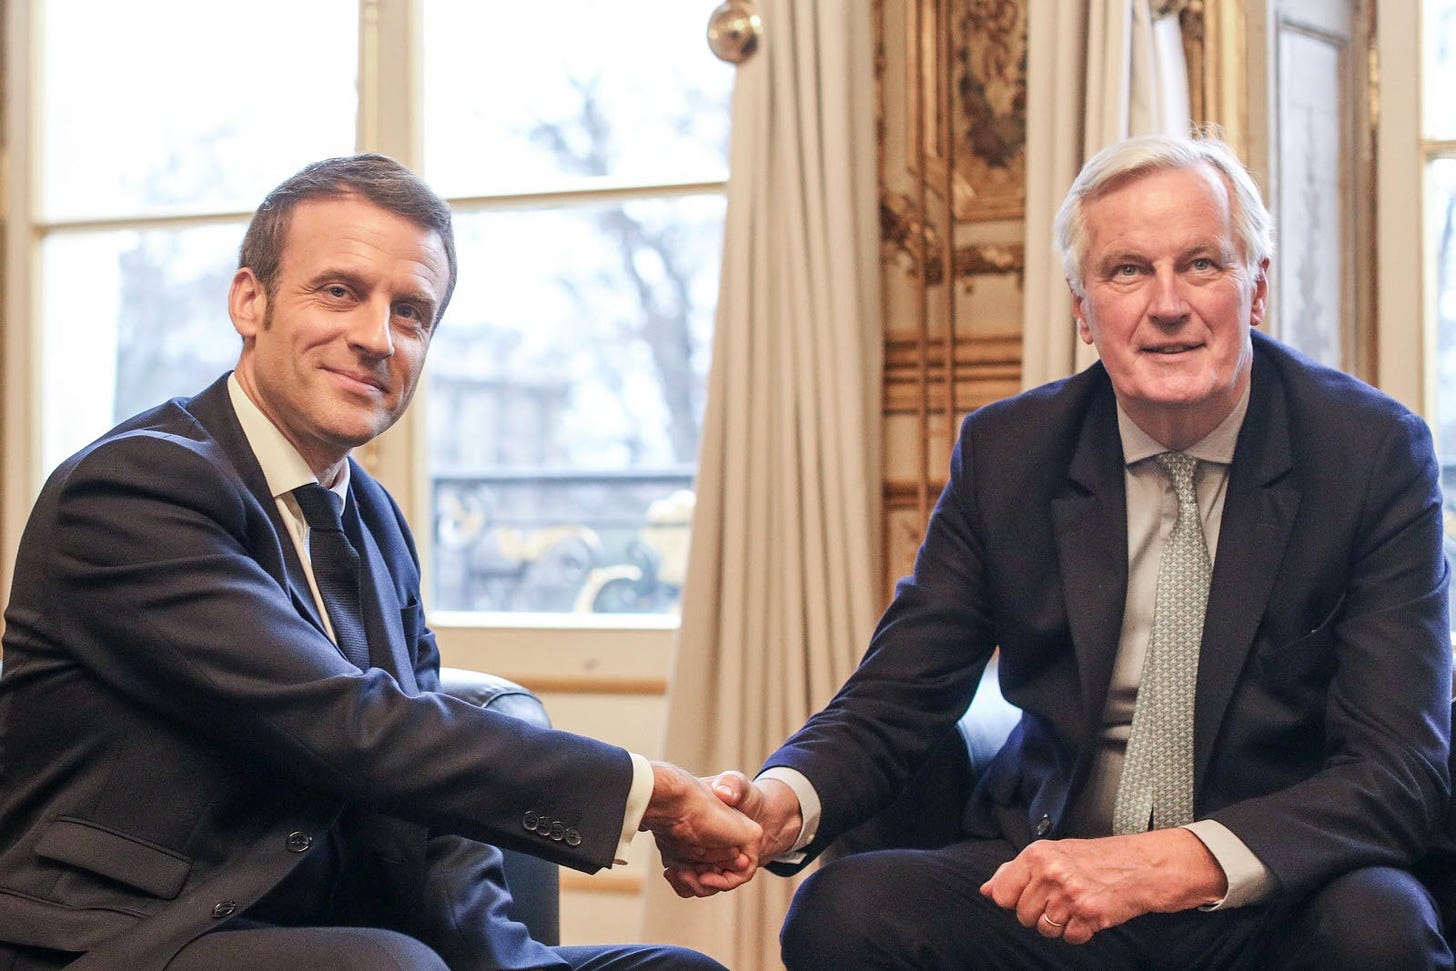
224,743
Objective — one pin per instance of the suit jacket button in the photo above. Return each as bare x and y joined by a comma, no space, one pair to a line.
573,837
223,908
299,842
530,821
1043,826
558,831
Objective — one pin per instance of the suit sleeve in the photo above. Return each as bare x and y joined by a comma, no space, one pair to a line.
157,587
915,681
1382,787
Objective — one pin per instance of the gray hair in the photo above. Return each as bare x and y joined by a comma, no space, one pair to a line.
1253,227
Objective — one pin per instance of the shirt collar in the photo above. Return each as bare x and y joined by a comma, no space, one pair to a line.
283,468
1216,446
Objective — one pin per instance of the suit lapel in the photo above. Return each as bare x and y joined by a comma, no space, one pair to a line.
214,409
1090,525
1258,517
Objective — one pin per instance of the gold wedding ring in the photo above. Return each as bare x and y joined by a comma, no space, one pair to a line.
1050,921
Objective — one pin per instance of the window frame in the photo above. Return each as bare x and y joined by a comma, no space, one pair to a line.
633,650
1404,324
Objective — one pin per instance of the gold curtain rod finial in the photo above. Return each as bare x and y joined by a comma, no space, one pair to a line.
733,31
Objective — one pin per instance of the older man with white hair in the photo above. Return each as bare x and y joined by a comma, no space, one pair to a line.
1214,574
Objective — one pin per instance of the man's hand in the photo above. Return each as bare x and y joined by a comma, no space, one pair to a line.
1074,888
770,803
706,845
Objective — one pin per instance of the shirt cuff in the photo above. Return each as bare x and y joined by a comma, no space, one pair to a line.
1249,880
809,809
637,799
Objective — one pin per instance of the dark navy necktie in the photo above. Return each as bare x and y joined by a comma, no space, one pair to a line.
335,569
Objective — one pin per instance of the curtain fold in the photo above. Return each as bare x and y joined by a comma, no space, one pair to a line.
781,592
1134,81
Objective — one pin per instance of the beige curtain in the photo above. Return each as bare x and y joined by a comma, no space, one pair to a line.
781,594
1126,69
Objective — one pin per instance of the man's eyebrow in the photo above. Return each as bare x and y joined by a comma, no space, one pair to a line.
335,274
339,274
1119,257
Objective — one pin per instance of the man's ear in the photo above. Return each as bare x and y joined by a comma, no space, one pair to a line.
1079,312
247,303
1259,305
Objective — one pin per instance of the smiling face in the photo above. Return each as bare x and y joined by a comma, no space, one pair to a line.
1169,300
333,356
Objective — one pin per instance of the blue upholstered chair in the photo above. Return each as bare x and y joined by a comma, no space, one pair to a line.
535,883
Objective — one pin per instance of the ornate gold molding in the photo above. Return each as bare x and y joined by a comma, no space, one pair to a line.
984,367
905,231
1215,44
967,74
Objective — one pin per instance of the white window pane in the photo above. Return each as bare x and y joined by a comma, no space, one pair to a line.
517,94
1312,246
1441,263
1438,32
150,323
176,104
565,405
1441,245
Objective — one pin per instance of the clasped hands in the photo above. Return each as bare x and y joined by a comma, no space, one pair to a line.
707,844
703,850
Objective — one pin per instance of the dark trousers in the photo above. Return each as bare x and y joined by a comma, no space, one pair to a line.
923,909
356,949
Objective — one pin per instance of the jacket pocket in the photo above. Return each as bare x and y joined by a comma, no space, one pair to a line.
409,619
1306,663
144,866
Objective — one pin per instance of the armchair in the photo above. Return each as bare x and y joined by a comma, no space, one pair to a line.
534,882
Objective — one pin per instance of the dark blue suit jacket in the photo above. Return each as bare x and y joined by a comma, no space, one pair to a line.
1323,712
179,733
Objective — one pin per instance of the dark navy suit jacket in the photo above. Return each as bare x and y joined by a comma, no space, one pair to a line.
179,733
1323,714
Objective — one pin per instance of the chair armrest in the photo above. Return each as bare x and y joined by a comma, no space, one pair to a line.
535,884
928,811
494,692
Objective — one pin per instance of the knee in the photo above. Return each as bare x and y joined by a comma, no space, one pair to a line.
832,919
636,957
1377,917
676,958
395,950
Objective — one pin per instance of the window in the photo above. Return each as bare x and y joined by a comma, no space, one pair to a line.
566,391
1438,148
1438,160
558,425
141,187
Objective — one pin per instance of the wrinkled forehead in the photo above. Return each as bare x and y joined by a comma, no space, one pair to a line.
1194,200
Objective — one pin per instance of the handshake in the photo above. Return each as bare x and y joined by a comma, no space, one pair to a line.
713,832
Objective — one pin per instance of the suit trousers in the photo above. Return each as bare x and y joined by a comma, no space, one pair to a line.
263,948
928,913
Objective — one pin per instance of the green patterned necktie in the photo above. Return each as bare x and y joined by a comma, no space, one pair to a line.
1156,790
